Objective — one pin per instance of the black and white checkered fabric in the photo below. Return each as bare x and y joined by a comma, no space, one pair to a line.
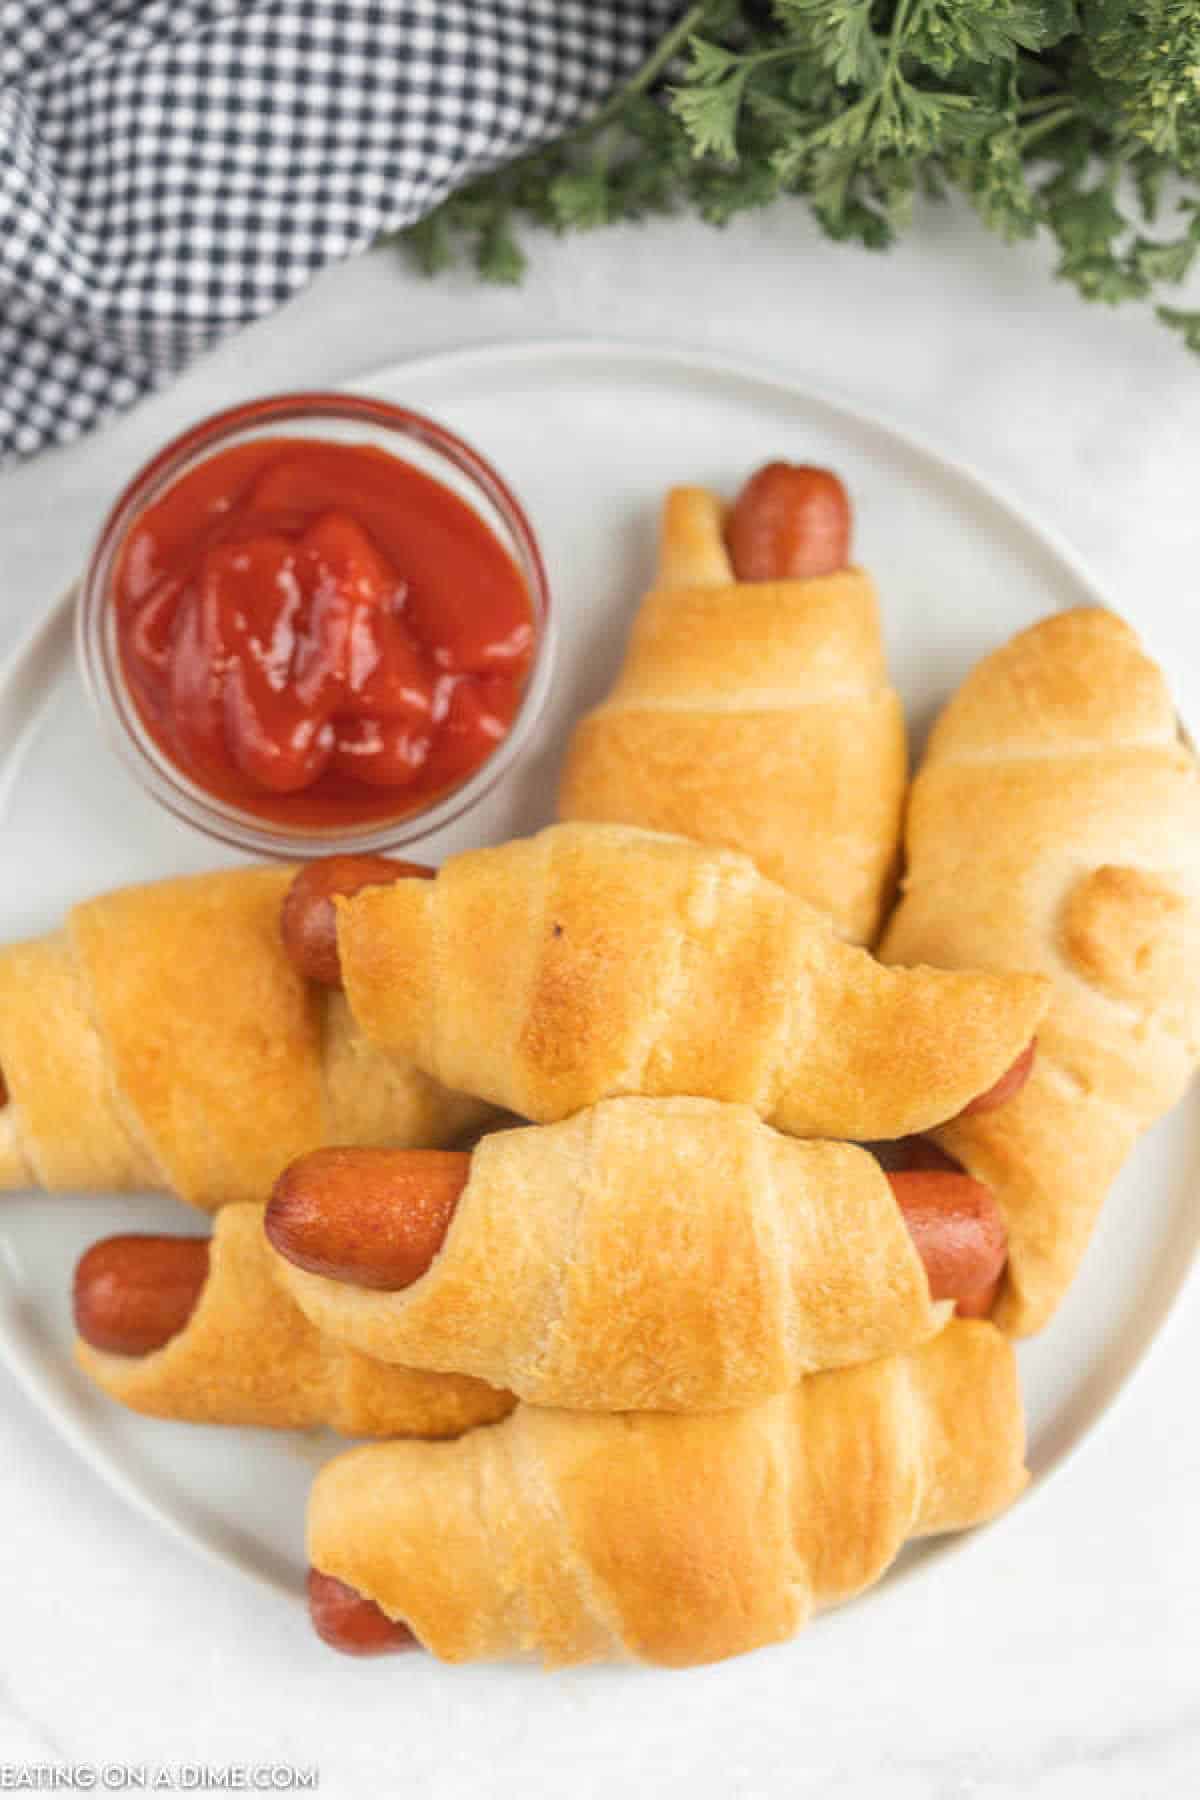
170,169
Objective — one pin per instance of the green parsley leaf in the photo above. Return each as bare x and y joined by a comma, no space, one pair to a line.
1187,324
1076,119
498,256
710,115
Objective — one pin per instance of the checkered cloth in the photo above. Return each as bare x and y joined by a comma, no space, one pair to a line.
170,169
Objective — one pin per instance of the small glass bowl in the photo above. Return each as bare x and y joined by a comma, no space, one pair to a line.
347,418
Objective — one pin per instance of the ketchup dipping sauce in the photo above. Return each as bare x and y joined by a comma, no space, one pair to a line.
319,633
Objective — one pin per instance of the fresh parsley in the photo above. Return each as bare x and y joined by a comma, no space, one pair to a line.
1078,118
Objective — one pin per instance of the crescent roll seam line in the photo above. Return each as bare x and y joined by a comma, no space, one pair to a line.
800,1583
600,1603
770,1229
747,701
918,1439
992,757
695,907
12,1143
516,1598
141,1153
533,1478
556,1292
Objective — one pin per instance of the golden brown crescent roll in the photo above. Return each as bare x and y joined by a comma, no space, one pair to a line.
594,960
248,1356
1055,824
163,1040
757,716
674,1539
662,1254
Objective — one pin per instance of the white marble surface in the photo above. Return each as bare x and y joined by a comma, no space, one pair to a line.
1056,1657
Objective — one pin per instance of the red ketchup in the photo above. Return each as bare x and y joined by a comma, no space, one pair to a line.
320,633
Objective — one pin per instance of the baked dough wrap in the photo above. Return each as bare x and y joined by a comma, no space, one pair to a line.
756,716
597,960
656,1254
1055,824
248,1356
674,1539
163,1040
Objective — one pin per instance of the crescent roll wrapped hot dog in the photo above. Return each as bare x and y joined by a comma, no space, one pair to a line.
164,1040
754,709
1055,824
673,1255
595,960
184,1328
577,1537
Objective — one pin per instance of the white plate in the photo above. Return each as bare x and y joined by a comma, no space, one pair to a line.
589,435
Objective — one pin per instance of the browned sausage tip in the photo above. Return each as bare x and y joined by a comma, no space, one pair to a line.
309,921
349,1622
789,522
133,1294
958,1230
375,1218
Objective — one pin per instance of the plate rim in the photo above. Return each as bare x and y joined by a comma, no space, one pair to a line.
39,1386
